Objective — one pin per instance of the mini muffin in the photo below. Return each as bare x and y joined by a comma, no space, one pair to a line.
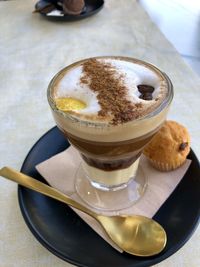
169,147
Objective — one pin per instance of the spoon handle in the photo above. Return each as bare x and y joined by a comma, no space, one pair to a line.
42,188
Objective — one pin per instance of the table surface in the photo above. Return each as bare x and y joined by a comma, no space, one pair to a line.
32,50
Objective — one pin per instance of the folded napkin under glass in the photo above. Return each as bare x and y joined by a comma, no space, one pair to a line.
60,172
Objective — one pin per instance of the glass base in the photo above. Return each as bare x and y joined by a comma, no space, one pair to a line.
110,199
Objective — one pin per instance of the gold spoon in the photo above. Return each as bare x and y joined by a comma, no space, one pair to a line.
137,235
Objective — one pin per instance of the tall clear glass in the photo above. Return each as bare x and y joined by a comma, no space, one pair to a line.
110,176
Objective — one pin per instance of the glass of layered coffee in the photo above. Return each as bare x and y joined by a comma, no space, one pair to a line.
109,108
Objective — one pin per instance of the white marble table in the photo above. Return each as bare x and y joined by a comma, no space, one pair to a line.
32,50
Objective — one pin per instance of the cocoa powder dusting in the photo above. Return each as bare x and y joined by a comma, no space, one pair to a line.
111,92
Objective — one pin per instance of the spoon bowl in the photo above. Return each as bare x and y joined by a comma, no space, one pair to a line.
136,235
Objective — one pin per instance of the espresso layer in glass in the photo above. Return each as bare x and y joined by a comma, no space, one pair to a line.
109,156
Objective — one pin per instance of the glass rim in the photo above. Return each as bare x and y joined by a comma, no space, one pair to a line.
166,102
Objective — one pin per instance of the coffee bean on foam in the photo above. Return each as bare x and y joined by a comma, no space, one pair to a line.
143,88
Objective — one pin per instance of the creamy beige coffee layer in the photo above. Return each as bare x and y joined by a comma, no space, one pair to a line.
111,178
88,123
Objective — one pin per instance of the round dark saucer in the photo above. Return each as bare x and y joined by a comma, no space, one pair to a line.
63,233
91,8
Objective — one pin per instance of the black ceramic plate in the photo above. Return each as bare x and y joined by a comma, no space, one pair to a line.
91,7
62,232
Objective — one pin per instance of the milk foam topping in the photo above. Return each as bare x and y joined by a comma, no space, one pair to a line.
131,74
